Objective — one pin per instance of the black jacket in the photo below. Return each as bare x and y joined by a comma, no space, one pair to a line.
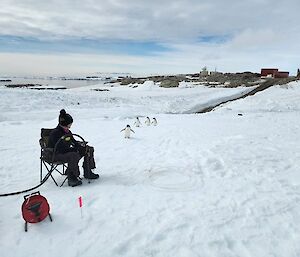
68,144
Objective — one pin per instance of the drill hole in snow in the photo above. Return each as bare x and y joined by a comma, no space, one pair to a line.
170,180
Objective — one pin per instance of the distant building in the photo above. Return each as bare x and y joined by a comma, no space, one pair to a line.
204,72
281,74
273,73
268,72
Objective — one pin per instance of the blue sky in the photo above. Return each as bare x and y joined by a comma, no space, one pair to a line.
61,37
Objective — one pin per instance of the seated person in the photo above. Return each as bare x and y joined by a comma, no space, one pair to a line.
71,151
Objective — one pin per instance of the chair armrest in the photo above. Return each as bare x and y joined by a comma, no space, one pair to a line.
62,138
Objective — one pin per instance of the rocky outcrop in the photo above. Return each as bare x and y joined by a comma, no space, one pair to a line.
34,86
22,85
214,79
124,81
48,88
234,79
168,83
129,80
100,89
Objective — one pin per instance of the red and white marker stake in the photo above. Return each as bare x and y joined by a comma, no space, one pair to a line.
80,205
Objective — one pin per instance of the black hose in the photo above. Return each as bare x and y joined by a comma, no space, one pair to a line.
24,191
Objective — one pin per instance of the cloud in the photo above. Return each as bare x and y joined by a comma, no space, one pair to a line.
142,20
157,36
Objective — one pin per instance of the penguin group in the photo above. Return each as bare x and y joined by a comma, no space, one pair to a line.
148,122
137,123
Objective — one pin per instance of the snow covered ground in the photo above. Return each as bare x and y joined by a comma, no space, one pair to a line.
224,183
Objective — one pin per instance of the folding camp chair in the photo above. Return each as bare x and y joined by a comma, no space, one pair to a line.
47,158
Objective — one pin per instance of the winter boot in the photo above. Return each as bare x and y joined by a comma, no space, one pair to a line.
87,172
91,175
73,181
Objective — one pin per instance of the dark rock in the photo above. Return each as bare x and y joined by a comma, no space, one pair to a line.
22,85
168,83
99,89
48,88
129,80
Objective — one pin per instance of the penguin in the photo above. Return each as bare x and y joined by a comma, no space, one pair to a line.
147,121
127,130
137,122
154,122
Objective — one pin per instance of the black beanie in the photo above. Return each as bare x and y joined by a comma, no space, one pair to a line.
64,118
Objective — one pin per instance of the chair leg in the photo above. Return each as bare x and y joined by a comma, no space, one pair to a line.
53,167
53,179
50,170
64,181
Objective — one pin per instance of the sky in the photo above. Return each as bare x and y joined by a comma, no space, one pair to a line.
75,37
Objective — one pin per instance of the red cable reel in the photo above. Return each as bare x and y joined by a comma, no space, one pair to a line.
35,208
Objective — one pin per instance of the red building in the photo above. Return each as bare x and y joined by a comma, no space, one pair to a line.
282,74
273,73
268,72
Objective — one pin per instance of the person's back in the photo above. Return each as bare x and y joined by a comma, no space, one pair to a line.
54,136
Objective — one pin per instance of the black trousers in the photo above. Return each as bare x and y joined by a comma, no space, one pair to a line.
73,158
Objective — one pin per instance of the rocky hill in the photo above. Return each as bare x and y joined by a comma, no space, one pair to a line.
214,79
